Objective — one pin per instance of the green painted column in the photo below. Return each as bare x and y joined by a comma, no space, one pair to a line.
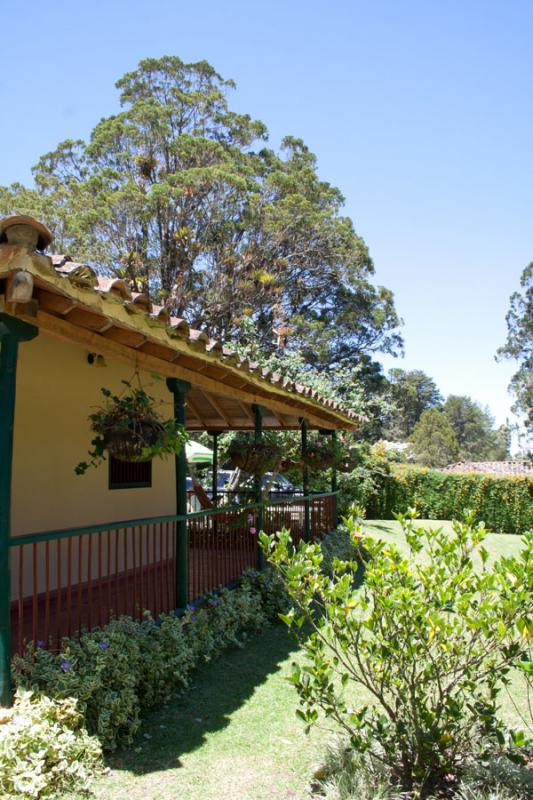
258,494
214,483
12,331
305,482
180,389
334,483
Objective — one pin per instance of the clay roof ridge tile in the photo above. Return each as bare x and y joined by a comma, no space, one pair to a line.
198,336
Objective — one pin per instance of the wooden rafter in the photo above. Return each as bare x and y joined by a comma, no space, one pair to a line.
216,405
192,405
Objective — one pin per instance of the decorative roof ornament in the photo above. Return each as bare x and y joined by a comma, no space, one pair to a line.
23,231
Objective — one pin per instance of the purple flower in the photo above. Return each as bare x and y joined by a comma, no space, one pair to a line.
104,645
253,531
40,644
65,666
193,618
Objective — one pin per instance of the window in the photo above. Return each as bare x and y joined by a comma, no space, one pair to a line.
129,474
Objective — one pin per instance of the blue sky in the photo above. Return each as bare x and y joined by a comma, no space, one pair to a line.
420,111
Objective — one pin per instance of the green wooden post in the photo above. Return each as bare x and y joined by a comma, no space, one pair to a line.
305,482
214,483
179,389
258,494
12,331
334,484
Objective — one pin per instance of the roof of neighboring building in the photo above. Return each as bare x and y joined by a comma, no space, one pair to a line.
72,301
493,467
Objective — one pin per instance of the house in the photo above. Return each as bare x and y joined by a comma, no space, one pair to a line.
76,550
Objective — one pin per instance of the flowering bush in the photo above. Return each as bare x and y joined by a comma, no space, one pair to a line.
44,750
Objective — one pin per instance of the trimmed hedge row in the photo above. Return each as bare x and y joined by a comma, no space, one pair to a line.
505,504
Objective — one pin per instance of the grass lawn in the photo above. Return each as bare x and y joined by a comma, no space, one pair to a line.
235,733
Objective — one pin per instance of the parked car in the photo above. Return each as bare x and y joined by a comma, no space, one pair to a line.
279,487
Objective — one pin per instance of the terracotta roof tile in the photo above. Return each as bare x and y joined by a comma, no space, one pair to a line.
493,467
85,277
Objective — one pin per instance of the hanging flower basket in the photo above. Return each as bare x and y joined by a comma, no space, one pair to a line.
321,455
287,464
132,439
129,428
255,458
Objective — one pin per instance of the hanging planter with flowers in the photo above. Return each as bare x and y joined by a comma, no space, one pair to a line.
321,454
254,458
129,428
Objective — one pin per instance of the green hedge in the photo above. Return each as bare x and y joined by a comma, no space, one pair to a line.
505,504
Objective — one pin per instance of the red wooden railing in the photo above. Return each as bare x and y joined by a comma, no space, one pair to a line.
67,581
81,581
221,546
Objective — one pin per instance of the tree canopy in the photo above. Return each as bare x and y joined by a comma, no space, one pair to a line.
180,195
410,394
433,439
519,346
474,429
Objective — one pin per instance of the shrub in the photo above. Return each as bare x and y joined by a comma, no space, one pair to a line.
365,485
44,750
429,639
504,503
340,547
271,589
128,667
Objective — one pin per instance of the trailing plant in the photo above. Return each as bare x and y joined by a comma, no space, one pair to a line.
129,428
425,645
44,749
254,457
322,453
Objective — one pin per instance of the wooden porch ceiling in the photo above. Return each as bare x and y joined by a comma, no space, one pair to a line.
72,303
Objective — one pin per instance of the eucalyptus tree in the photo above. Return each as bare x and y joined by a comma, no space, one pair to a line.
179,194
519,346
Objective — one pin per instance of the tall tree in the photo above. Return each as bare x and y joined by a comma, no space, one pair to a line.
433,440
410,394
178,194
519,346
474,429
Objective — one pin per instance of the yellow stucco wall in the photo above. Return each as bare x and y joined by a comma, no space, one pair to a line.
56,391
